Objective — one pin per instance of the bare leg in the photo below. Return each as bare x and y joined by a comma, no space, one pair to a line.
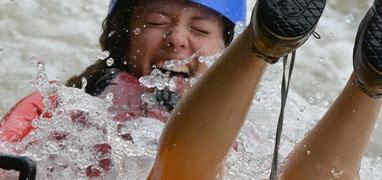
204,125
334,148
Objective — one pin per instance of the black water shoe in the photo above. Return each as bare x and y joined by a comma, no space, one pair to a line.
281,26
367,54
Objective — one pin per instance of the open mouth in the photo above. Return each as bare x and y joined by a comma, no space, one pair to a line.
181,70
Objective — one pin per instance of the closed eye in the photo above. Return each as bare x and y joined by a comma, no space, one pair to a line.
158,23
200,30
158,20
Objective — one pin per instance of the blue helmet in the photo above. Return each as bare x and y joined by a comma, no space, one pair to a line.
233,10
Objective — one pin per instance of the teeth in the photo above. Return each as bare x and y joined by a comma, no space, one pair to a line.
175,68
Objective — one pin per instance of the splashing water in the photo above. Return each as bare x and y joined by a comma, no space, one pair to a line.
46,88
133,143
349,18
110,62
104,55
137,31
72,141
209,60
239,28
156,79
84,83
175,63
161,80
82,140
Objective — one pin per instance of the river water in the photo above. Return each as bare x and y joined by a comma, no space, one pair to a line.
64,35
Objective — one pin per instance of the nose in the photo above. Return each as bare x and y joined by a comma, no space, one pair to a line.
177,38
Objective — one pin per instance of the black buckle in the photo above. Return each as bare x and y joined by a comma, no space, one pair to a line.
22,164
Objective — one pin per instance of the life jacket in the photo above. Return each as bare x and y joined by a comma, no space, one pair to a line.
127,105
17,123
127,101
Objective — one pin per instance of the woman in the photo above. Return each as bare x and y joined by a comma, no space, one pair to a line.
200,131
134,44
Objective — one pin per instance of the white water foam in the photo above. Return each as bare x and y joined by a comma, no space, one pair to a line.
50,34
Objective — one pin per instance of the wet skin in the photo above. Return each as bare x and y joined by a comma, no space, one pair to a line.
172,30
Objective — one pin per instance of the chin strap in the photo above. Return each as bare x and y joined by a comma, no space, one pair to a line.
284,95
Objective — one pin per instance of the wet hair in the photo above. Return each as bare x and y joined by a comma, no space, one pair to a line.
115,38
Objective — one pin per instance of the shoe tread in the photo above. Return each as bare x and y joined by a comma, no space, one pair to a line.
291,18
372,42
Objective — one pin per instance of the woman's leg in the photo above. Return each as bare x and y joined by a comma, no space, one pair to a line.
334,148
205,123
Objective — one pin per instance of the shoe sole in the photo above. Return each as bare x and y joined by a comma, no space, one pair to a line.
291,18
368,53
281,26
372,46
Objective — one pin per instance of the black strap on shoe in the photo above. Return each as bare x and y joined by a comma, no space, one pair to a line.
24,165
284,95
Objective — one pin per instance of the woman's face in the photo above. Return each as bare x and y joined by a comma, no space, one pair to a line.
164,30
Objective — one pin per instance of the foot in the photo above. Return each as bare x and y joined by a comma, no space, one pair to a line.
367,54
281,26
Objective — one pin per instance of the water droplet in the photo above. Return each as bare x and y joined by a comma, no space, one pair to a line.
193,81
136,31
111,33
104,55
321,59
326,103
311,100
84,82
172,84
349,18
337,173
149,99
110,62
109,99
302,109
239,28
319,96
209,60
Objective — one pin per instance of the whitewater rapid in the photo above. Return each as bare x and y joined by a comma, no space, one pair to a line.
64,34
